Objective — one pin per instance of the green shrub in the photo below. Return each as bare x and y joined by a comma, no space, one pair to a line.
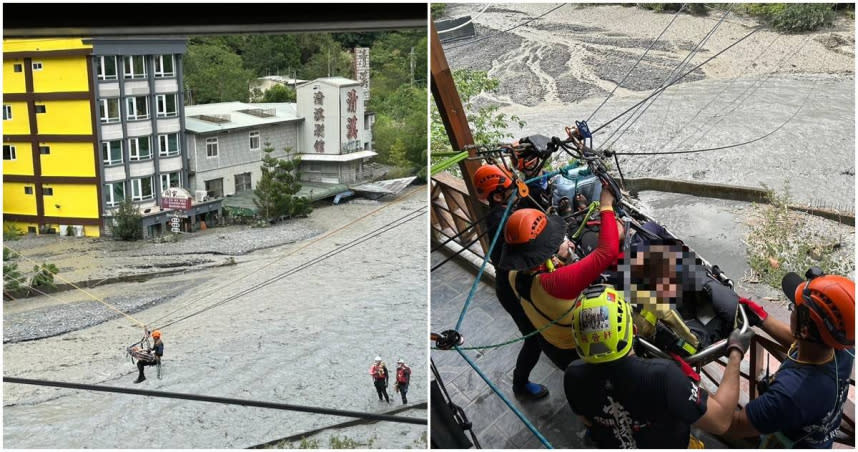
793,17
127,222
438,10
11,233
659,7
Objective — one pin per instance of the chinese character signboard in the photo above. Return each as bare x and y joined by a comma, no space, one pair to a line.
362,70
176,198
319,122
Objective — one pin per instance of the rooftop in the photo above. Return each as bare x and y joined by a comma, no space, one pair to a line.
206,118
310,157
335,81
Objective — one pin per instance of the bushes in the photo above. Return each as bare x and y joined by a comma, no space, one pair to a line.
126,222
793,17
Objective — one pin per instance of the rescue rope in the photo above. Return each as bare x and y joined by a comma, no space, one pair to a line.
508,29
57,275
231,282
215,399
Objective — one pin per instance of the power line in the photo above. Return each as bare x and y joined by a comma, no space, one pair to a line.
214,399
508,29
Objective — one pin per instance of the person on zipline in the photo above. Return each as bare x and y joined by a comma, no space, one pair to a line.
379,374
403,379
157,351
495,185
536,251
801,405
634,403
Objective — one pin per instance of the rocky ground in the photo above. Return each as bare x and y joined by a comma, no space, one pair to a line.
306,338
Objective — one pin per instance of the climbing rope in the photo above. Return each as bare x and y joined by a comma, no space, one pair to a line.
111,307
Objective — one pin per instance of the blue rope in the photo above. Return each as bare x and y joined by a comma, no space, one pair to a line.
485,261
506,401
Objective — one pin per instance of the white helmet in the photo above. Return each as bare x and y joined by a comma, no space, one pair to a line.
378,359
400,361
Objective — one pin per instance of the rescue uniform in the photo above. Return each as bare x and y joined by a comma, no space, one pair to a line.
544,297
528,356
159,352
635,402
804,403
379,378
403,378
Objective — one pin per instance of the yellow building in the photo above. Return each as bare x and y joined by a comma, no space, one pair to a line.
51,180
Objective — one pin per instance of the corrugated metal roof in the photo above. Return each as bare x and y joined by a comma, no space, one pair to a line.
234,118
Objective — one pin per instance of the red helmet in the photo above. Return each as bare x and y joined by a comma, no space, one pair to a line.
489,179
526,160
829,302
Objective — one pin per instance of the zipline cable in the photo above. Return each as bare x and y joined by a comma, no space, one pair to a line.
677,80
507,30
402,220
671,78
611,94
214,399
230,282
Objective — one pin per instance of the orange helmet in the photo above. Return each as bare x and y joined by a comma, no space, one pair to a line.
526,160
829,302
156,334
531,237
489,179
524,226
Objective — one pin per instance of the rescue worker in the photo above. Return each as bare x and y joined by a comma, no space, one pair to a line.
630,402
495,185
403,378
536,251
802,405
157,351
379,374
530,162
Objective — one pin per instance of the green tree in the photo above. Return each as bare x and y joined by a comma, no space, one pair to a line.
324,56
400,129
127,222
213,73
43,277
487,125
271,54
274,192
279,93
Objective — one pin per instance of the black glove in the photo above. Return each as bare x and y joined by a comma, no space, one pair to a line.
740,341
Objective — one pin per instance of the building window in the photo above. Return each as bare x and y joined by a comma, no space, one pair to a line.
242,182
45,150
214,188
47,191
211,147
106,67
171,180
18,67
139,149
108,110
9,152
168,145
141,189
164,66
41,109
7,112
37,65
138,107
254,140
134,66
111,152
166,105
28,190
114,193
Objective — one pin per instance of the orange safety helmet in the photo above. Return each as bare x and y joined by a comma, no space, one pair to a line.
829,302
156,334
489,179
531,238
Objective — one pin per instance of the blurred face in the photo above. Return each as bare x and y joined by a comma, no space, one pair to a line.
655,270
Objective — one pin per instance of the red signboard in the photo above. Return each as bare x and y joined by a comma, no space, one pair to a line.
176,203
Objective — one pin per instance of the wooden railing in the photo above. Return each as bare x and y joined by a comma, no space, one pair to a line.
449,211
